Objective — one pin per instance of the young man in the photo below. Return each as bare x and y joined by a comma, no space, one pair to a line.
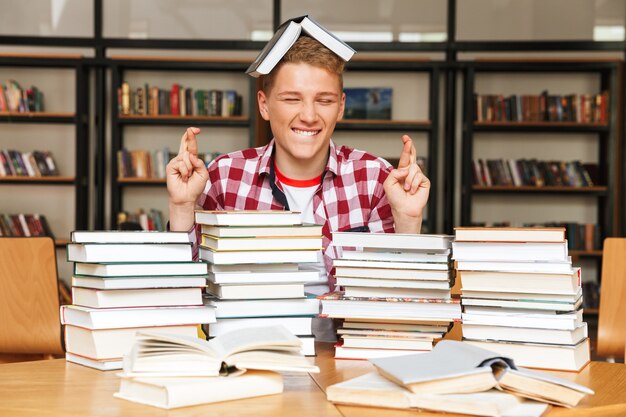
301,169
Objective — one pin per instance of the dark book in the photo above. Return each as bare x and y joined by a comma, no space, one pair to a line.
356,103
378,104
286,36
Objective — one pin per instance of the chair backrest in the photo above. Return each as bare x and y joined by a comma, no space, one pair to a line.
612,316
29,296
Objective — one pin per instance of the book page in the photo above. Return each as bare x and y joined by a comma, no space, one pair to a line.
262,338
155,343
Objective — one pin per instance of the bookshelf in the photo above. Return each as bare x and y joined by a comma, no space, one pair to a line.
415,111
598,202
62,129
196,73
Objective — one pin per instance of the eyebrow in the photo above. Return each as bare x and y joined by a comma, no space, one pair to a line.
297,93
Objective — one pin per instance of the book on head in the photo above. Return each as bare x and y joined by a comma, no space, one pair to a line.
457,367
271,348
286,36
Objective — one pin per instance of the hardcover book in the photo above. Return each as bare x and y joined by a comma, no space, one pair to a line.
457,367
270,348
286,36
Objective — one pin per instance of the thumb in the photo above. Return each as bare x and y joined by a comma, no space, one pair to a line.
398,175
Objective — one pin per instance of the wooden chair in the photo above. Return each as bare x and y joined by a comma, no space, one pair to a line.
29,299
612,315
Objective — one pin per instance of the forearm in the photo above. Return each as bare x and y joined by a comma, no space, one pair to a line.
181,216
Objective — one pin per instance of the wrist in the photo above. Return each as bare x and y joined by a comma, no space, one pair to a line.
181,216
405,223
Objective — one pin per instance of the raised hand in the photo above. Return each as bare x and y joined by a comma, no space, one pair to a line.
407,190
186,178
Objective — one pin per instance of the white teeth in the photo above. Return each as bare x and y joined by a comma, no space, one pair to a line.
306,132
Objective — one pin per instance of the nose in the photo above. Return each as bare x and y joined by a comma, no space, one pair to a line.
308,112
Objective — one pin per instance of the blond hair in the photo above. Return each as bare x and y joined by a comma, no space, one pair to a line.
309,51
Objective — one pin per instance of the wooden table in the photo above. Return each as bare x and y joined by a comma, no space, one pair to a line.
56,388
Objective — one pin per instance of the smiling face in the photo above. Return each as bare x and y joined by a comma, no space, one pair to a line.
302,106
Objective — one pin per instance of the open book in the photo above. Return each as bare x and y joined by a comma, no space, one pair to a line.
271,348
286,36
456,367
373,390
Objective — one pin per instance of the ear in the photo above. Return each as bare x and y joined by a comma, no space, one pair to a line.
262,103
342,105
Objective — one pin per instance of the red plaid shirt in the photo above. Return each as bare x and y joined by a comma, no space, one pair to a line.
350,196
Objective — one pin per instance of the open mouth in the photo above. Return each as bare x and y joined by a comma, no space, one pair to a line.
306,132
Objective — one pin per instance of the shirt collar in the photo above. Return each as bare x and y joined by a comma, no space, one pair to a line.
268,151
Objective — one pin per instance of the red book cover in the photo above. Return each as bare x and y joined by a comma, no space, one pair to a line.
174,100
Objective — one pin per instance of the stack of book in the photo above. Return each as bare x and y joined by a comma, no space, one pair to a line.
458,378
129,281
521,296
396,297
258,268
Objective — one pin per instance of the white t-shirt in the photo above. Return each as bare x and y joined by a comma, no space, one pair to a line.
299,195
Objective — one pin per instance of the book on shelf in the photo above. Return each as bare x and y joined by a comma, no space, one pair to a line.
128,236
248,218
24,225
299,230
258,257
397,241
150,220
458,367
170,393
137,269
114,318
27,164
557,357
112,344
264,308
368,103
544,107
119,283
284,38
522,282
129,252
509,234
256,291
374,390
263,348
144,297
532,172
261,243
16,99
525,334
